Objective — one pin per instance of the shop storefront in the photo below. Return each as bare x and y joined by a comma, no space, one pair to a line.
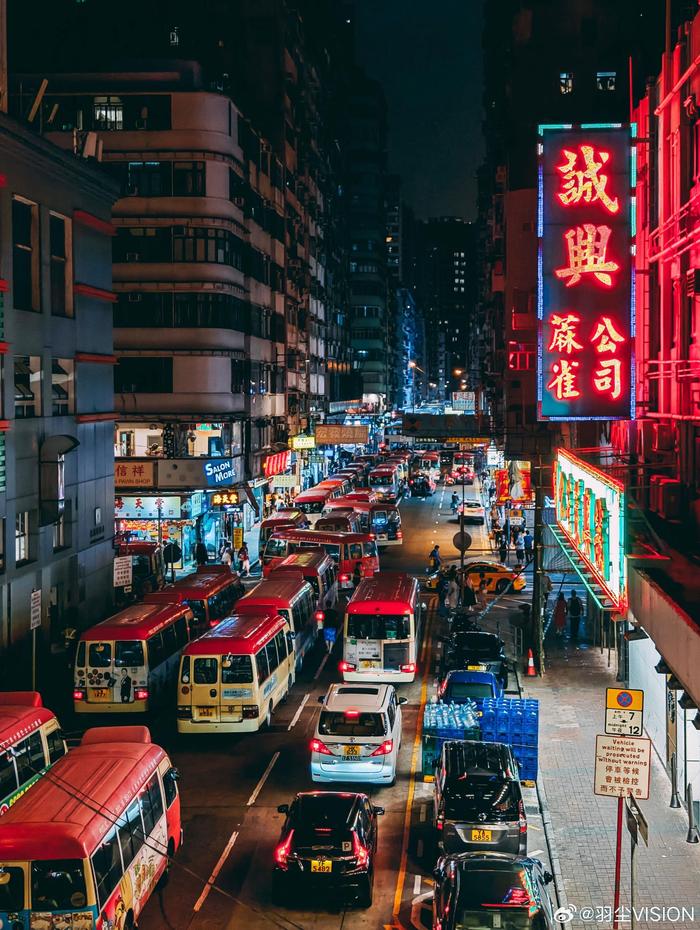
161,519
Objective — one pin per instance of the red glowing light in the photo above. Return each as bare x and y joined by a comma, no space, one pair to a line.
563,384
608,378
586,246
585,184
564,333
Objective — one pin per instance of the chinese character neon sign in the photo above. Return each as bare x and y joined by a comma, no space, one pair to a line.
585,273
590,510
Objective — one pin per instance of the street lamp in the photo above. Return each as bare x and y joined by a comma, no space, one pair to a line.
457,371
414,367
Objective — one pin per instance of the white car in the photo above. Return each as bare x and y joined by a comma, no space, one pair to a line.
473,512
358,735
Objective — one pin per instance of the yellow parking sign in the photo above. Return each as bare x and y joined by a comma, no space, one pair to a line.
624,699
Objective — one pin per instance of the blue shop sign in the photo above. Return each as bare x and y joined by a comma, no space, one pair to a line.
220,471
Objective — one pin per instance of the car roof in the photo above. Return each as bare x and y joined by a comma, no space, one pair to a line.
340,697
335,808
477,758
492,861
474,639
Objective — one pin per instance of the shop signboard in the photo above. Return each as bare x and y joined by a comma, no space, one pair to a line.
284,481
464,401
585,272
147,508
227,498
622,766
341,435
277,463
237,538
303,442
35,610
134,474
590,510
220,472
197,504
514,482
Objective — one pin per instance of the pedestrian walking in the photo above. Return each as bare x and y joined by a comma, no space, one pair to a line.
200,553
503,550
481,598
357,574
226,554
434,558
244,560
575,611
519,552
329,635
546,588
528,542
468,593
452,591
441,588
559,615
454,502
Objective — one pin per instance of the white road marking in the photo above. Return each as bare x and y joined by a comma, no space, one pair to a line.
419,849
416,884
217,868
321,666
536,852
258,788
423,812
295,718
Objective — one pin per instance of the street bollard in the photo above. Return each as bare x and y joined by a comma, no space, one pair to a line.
693,835
675,796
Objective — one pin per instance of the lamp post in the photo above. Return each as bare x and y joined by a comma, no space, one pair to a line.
414,368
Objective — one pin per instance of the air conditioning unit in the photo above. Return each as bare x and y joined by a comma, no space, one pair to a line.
692,282
654,483
664,437
133,256
135,298
645,438
670,497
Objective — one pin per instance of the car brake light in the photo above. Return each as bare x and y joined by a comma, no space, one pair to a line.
359,851
282,851
250,711
411,667
79,694
347,667
344,577
140,694
386,747
399,534
440,823
317,746
319,615
352,713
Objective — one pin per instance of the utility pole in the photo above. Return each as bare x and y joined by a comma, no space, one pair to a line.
537,568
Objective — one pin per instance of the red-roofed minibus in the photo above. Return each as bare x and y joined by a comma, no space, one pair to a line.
291,597
312,502
384,480
316,567
378,517
129,662
30,742
232,678
281,520
84,849
382,629
346,550
340,520
210,593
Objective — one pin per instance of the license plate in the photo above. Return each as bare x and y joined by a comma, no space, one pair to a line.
369,663
481,836
476,668
351,751
205,711
321,865
382,536
100,694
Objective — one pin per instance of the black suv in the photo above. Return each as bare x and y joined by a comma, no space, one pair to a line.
476,890
474,650
329,839
420,486
478,800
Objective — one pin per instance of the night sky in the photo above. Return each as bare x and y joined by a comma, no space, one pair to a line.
427,56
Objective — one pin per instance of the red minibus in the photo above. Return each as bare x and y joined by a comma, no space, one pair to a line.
384,480
339,486
86,847
147,569
210,593
292,597
316,567
341,520
346,550
129,661
312,502
382,629
282,520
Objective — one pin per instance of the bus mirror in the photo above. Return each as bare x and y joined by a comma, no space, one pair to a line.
403,700
283,809
175,774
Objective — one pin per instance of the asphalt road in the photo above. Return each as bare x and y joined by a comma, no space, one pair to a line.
231,787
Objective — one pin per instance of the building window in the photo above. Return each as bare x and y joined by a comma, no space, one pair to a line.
108,113
174,36
2,545
22,552
27,386
62,530
566,82
144,375
188,178
60,258
62,386
25,254
605,80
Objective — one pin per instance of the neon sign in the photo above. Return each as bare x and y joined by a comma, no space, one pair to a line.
590,510
585,273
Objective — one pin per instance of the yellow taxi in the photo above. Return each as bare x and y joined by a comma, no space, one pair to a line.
497,576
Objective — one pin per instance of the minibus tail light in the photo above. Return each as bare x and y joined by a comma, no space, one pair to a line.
399,534
347,667
344,577
140,694
250,711
320,615
411,667
79,694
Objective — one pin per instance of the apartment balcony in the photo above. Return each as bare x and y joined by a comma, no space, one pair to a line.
194,405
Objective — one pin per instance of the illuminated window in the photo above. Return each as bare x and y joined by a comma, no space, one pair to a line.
566,82
605,80
108,113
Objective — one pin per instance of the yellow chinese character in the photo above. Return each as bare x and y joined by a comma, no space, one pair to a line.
564,381
564,333
586,183
606,379
606,335
586,246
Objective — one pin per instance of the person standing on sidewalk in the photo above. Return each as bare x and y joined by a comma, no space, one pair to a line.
200,553
481,598
546,589
559,615
528,542
244,560
575,611
503,551
519,552
452,598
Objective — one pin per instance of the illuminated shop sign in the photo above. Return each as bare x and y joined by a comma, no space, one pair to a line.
590,510
221,471
277,464
585,301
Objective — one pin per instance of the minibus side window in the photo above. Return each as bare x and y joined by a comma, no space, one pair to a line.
155,650
272,658
130,833
8,778
80,655
108,866
185,670
170,786
169,641
56,746
181,632
263,667
156,798
281,641
149,819
298,614
30,757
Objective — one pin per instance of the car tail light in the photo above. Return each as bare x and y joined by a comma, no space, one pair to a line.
347,667
440,822
344,577
283,850
78,694
320,747
399,534
213,623
386,747
320,616
140,694
352,713
359,851
522,819
250,711
411,667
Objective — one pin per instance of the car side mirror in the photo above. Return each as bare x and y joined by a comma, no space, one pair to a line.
283,809
379,811
423,606
403,700
548,877
321,698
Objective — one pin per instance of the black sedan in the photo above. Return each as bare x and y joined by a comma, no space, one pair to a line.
475,651
328,842
477,890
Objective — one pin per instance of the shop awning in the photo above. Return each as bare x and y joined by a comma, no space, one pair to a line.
562,557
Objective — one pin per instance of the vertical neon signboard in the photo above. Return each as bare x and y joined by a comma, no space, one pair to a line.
585,301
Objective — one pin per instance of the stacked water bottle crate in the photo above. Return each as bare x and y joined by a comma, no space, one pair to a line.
442,722
516,722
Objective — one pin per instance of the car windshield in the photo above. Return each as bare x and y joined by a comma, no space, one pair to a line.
466,690
316,818
11,888
58,884
310,506
236,670
472,505
488,889
379,626
473,797
339,723
128,653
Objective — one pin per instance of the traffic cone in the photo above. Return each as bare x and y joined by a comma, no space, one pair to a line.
530,670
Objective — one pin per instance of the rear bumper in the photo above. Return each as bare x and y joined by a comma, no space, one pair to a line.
89,707
297,879
373,676
361,773
212,726
512,842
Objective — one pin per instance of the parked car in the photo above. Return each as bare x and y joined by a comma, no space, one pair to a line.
473,512
478,802
329,839
358,735
422,486
458,687
461,620
475,651
497,576
478,890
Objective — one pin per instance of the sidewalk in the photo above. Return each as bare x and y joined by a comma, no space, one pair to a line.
572,700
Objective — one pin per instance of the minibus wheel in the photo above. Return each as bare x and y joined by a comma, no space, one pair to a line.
268,717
